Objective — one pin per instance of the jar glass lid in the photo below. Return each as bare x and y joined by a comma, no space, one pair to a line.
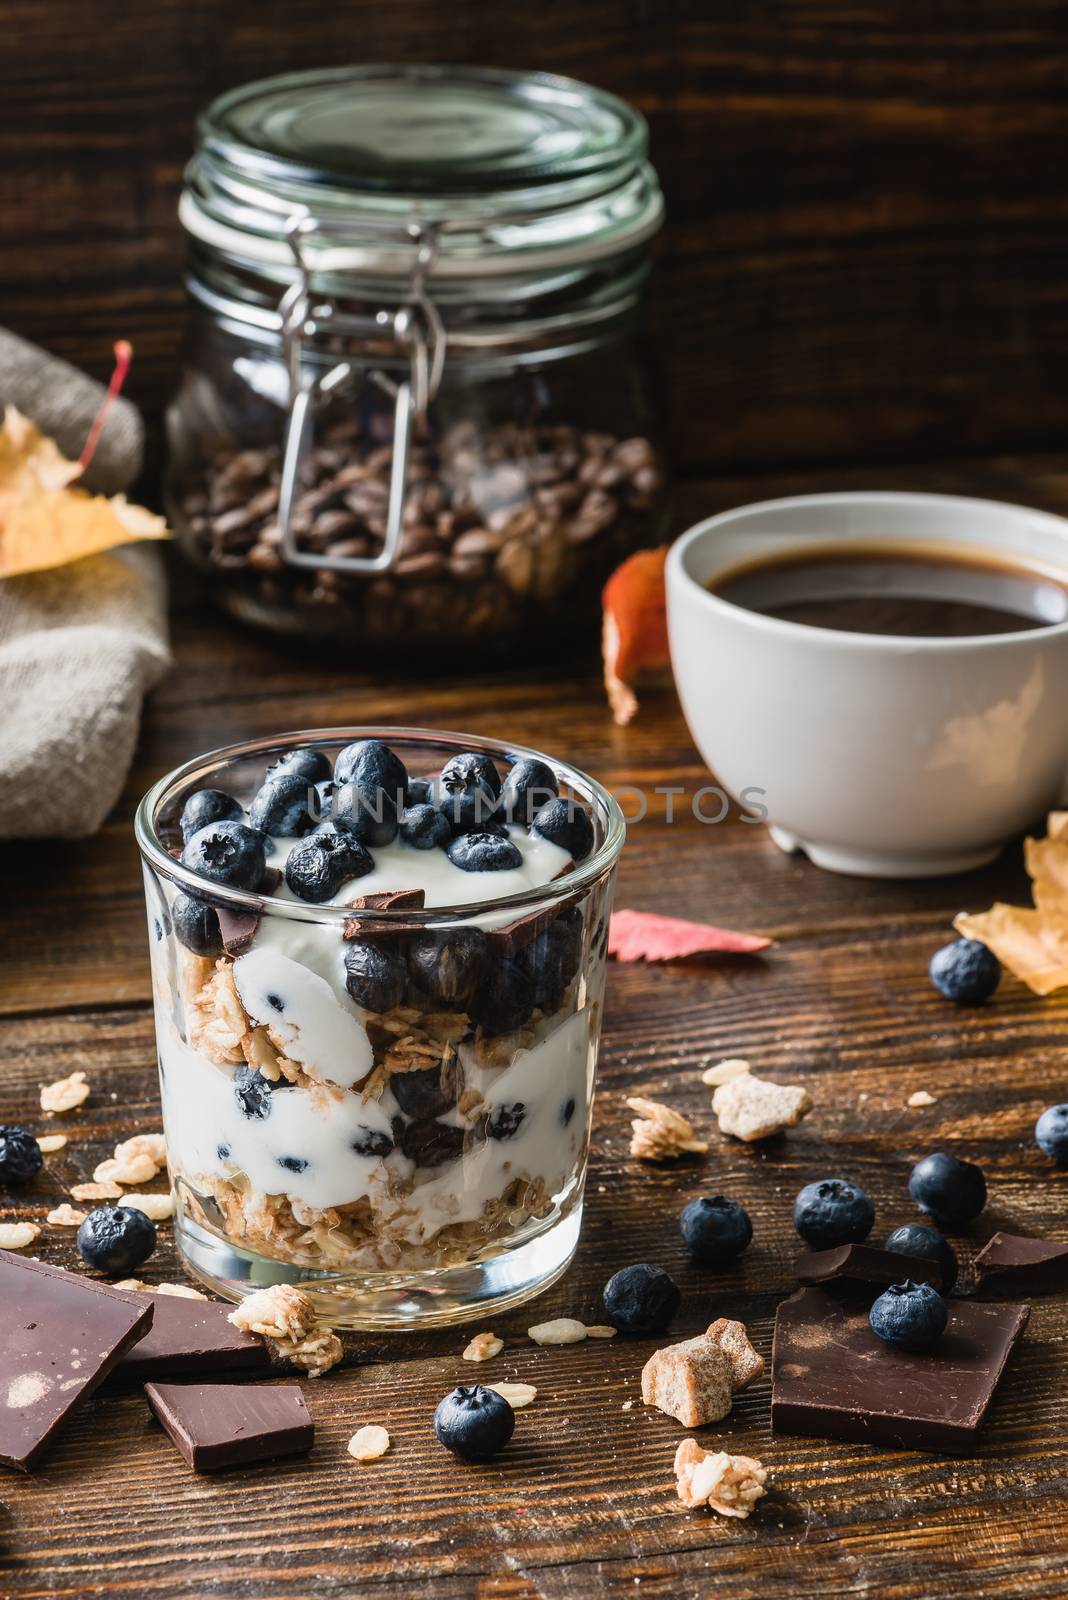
510,171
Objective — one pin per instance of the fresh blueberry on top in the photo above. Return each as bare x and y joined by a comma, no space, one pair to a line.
373,765
715,1229
916,1240
376,977
641,1299
506,999
965,971
196,926
504,1122
909,1316
565,823
1051,1134
448,967
528,786
321,800
484,852
832,1212
372,1142
307,763
468,790
20,1156
369,815
420,792
207,805
948,1189
474,1422
318,866
424,828
253,1093
229,853
116,1239
469,771
282,808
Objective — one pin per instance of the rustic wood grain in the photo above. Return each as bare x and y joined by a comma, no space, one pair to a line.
866,203
582,1505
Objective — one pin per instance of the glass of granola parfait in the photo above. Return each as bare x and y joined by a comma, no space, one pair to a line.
378,962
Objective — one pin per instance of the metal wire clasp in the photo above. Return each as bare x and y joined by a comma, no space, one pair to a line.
414,326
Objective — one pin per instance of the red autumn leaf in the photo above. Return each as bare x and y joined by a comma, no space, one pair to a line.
647,936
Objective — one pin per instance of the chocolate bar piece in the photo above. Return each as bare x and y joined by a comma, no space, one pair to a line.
214,1425
864,1263
60,1335
192,1336
831,1377
383,900
1010,1264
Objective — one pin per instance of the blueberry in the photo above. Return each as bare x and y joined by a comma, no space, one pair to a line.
916,1240
529,786
294,1163
282,809
1051,1134
253,1093
448,967
372,765
567,1111
474,1422
421,1094
420,792
116,1239
430,1144
375,977
715,1229
553,957
197,926
424,828
307,763
320,805
318,866
20,1156
369,815
207,805
223,1152
948,1189
504,1121
965,971
909,1316
469,771
468,791
565,823
832,1212
506,998
641,1299
484,852
372,1142
229,853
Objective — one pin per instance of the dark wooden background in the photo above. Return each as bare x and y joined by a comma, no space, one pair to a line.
868,210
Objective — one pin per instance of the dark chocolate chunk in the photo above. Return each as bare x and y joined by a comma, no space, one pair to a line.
864,1263
1010,1264
383,900
238,929
60,1335
215,1425
192,1336
832,1378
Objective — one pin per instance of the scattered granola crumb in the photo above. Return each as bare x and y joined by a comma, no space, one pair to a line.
18,1235
483,1347
628,1405
126,1169
723,1072
132,1284
65,1095
600,1330
562,1330
751,1108
921,1098
153,1145
728,1484
65,1216
517,1395
95,1191
661,1134
368,1443
183,1291
287,1317
695,1381
51,1142
157,1207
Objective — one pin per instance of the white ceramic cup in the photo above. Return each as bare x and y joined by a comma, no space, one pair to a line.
877,755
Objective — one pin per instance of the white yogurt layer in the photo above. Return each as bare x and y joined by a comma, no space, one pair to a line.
303,1148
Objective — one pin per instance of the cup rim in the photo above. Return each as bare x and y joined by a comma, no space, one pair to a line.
841,638
155,853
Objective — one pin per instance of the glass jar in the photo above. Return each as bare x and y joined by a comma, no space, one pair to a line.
414,1158
412,410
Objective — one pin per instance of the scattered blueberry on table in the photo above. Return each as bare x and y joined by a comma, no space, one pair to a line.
948,1189
909,1316
20,1156
715,1229
641,1299
1051,1134
831,1212
474,1422
115,1239
965,971
914,1239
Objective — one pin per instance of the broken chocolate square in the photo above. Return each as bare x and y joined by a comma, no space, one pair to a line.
192,1336
1010,1264
865,1263
383,900
215,1425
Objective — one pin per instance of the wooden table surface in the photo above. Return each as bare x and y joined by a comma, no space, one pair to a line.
583,1502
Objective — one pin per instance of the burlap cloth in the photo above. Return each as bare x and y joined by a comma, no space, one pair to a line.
79,645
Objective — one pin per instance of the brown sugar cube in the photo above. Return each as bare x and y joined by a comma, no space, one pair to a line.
695,1381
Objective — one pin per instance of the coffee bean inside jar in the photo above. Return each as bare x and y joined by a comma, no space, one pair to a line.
366,329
